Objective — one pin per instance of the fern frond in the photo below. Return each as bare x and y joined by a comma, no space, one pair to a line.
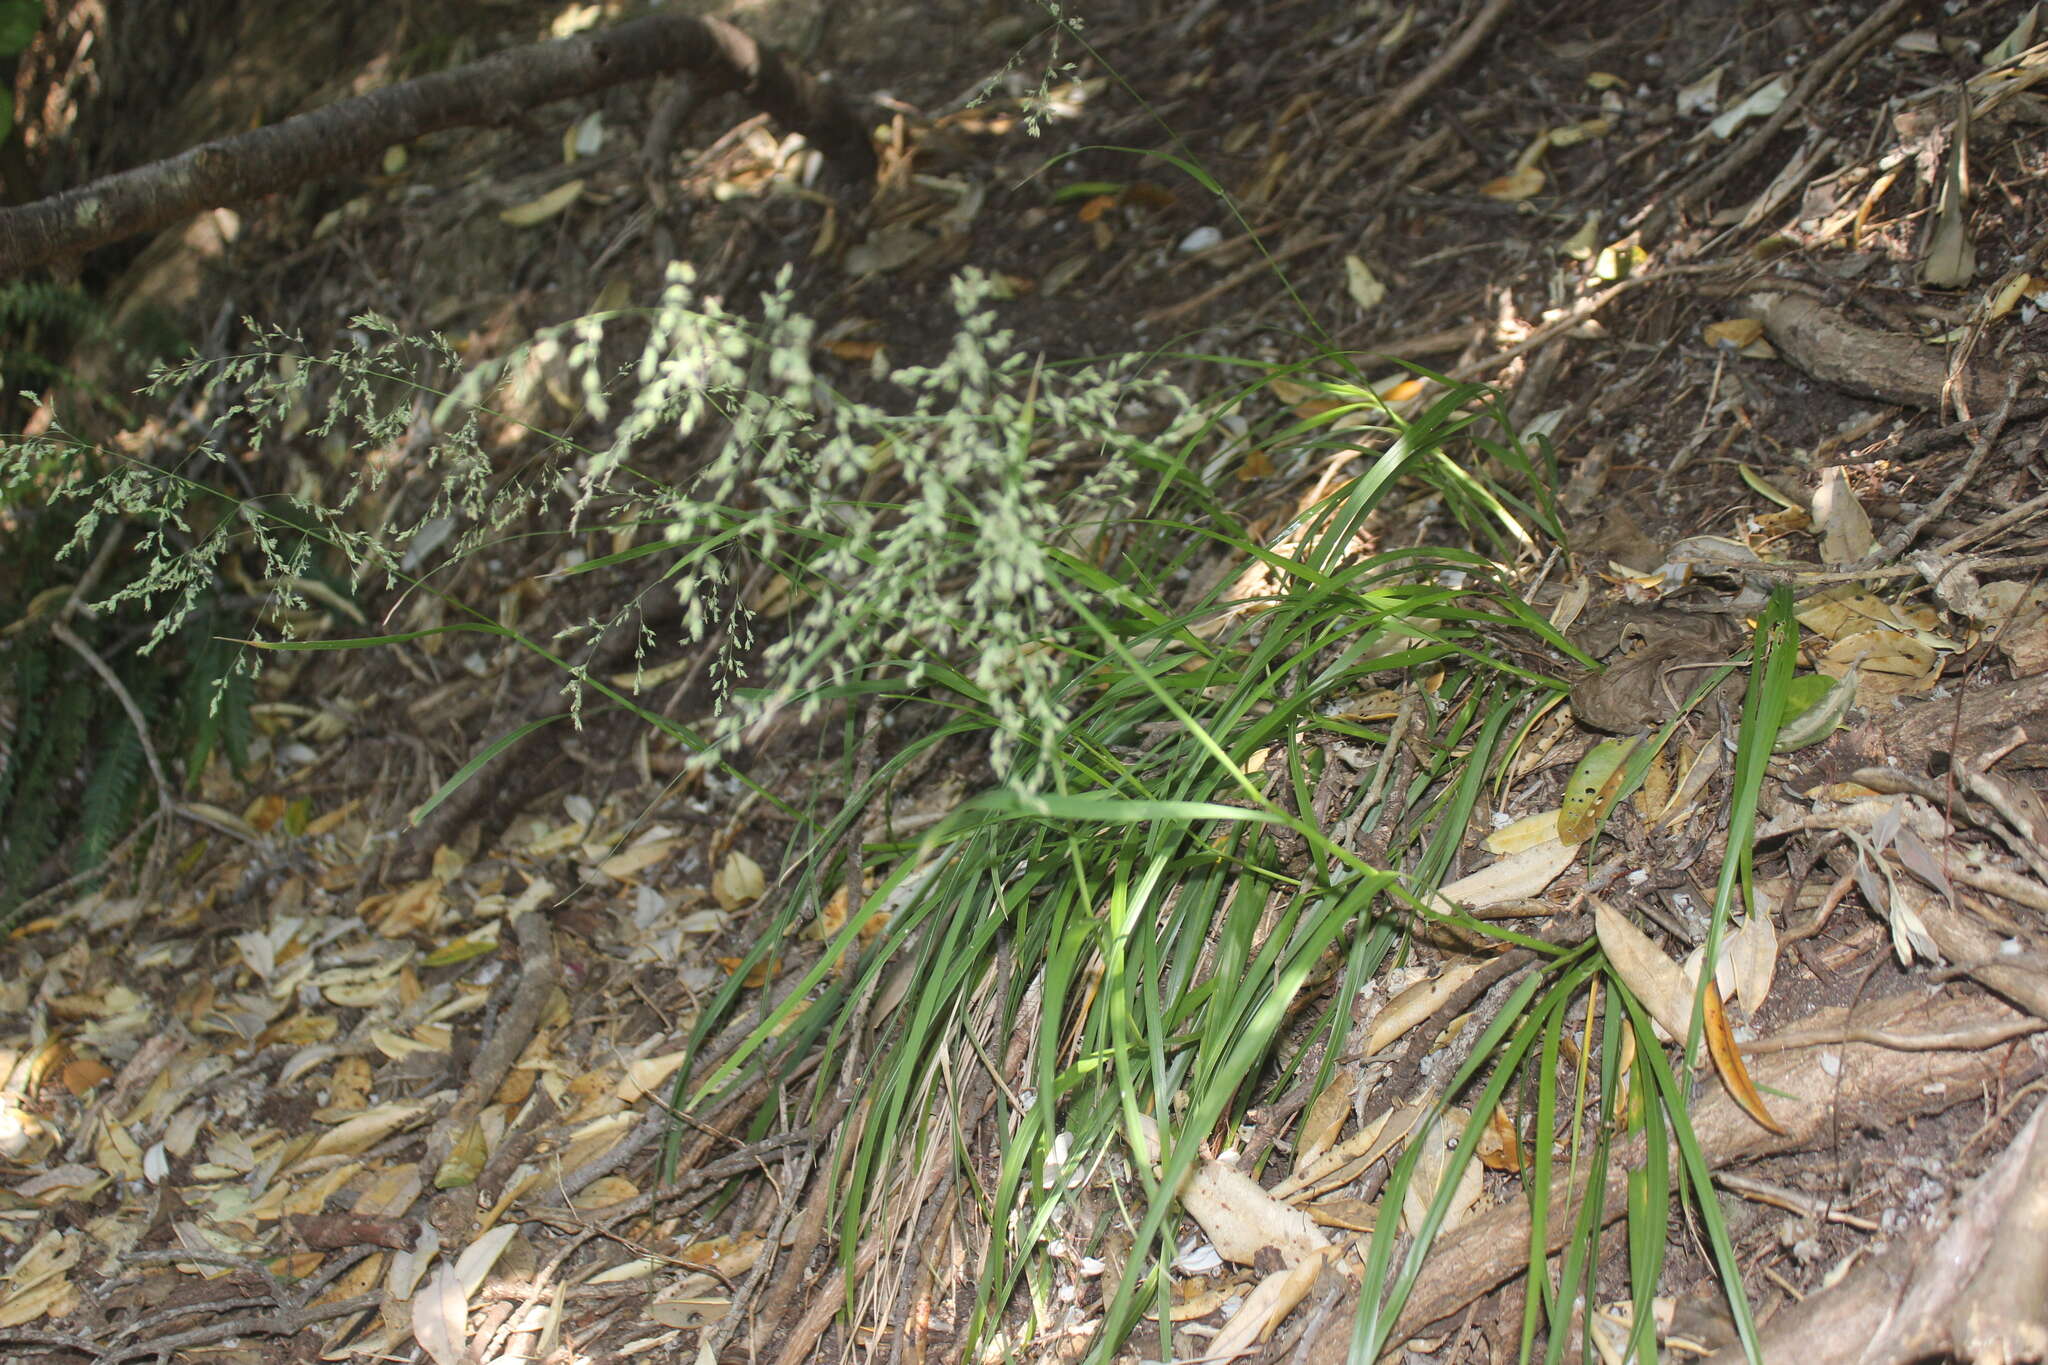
107,806
31,832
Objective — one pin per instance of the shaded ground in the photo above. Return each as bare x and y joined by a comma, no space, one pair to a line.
232,1078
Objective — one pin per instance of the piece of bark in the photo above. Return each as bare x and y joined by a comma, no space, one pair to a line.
1888,366
351,132
1871,1087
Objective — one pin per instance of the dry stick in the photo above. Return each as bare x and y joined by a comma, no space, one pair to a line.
1920,443
1981,446
809,1233
674,1198
2000,882
1797,571
825,1307
916,1274
1995,794
56,1341
1963,1040
1817,76
49,893
1359,133
1970,1287
515,1030
666,1197
2004,521
1577,317
248,1265
1240,276
274,1325
1790,1200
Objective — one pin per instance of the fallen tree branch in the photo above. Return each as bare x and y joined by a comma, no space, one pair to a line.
1869,1087
353,131
1977,1291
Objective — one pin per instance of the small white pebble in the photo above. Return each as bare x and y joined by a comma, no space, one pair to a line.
1201,239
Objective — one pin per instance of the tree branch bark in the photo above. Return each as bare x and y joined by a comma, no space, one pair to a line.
352,131
1868,1087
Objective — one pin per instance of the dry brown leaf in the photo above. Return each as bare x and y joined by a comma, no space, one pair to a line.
1733,334
1365,287
440,1317
363,1131
1263,1309
465,1159
1650,976
54,1298
1430,1170
1950,258
1752,960
1845,535
1343,1211
1518,876
1416,1004
1524,182
1527,832
641,856
1499,1148
1238,1215
1655,794
1319,1127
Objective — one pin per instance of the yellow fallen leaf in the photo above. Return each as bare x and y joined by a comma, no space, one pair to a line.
1524,182
1728,1061
547,206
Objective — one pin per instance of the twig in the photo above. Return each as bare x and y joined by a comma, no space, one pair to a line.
247,1265
825,1307
1577,317
746,1159
1920,443
1360,134
351,131
791,1261
1985,530
1792,1201
1817,76
58,1341
1997,794
537,975
48,893
1981,446
1963,1040
1239,276
271,1325
163,1317
1999,882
